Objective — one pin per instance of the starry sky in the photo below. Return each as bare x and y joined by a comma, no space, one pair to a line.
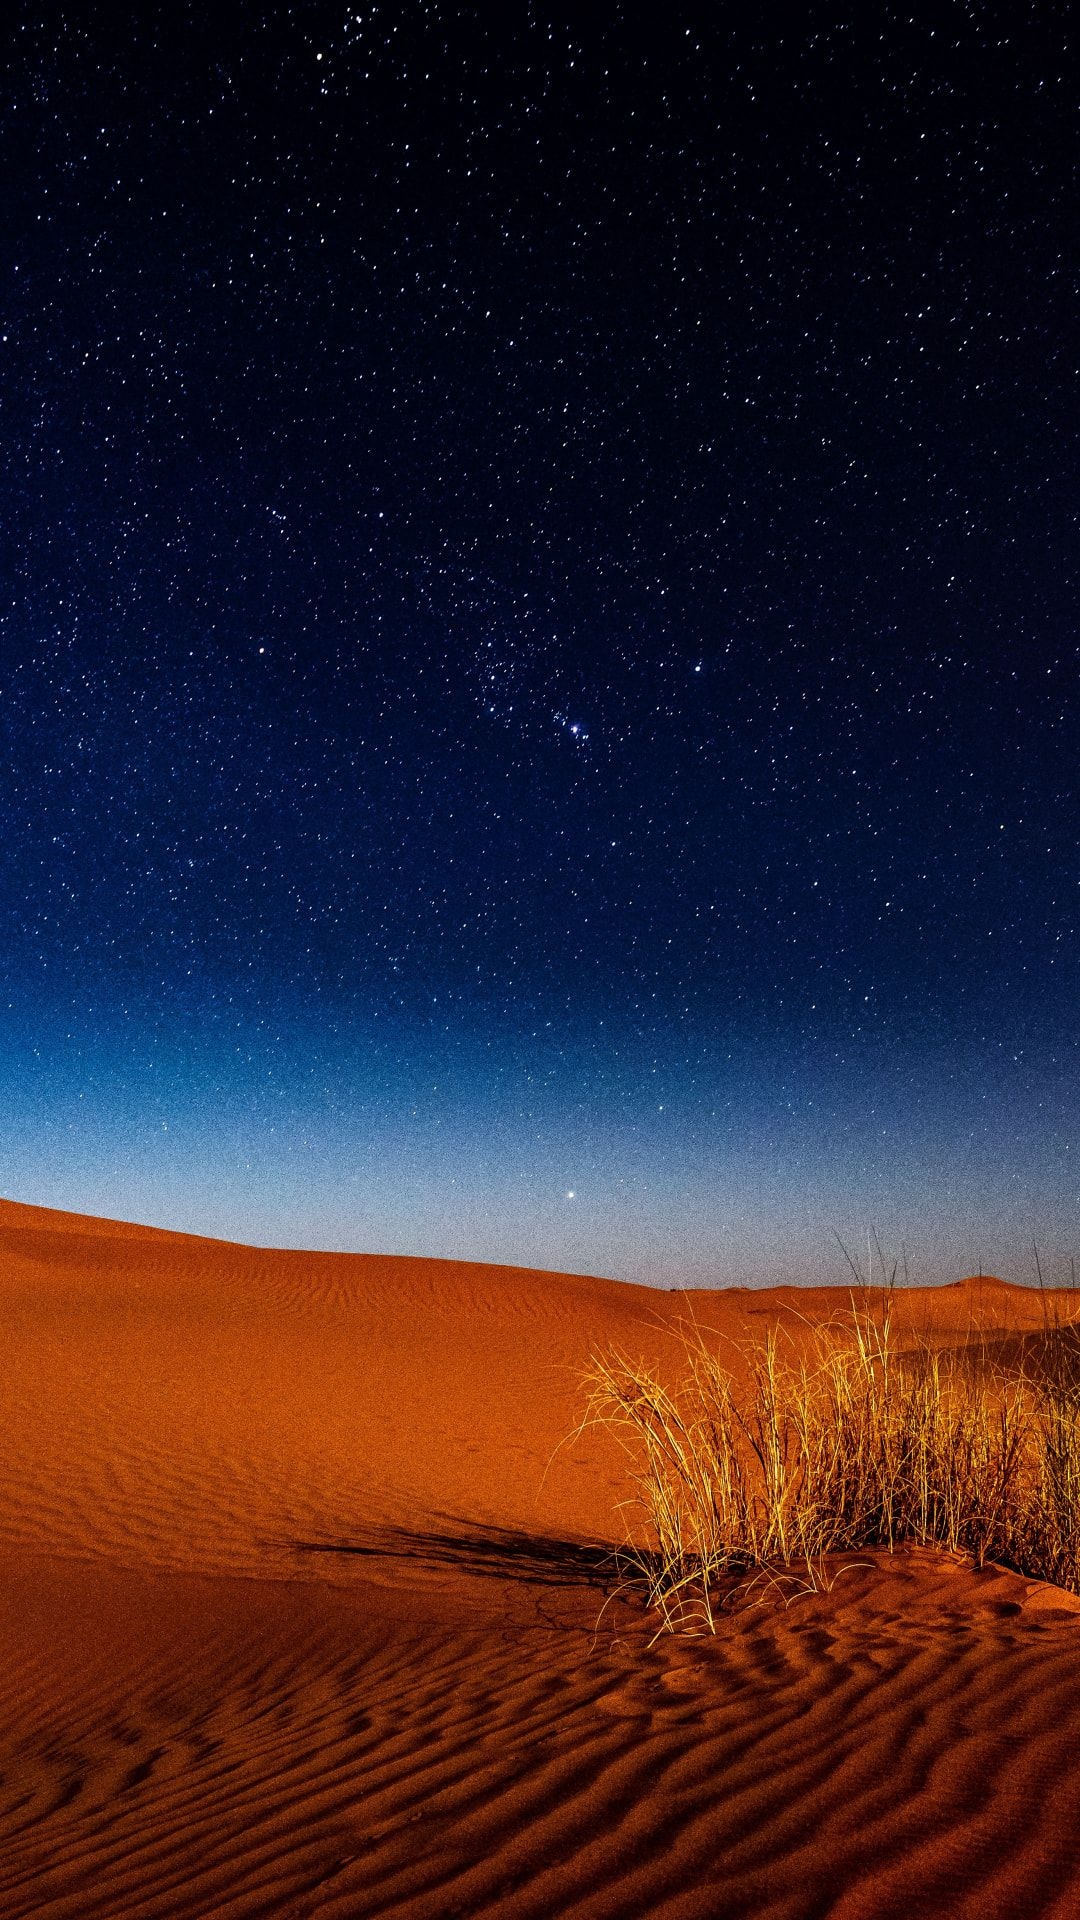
538,629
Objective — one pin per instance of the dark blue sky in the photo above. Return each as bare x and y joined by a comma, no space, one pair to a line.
538,627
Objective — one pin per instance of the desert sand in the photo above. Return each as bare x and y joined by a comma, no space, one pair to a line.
308,1609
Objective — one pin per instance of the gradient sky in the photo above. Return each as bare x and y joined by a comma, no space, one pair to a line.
538,625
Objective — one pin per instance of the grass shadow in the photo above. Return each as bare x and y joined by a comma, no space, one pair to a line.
1041,1356
496,1553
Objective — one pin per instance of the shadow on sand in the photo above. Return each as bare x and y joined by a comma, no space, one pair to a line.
1043,1357
500,1553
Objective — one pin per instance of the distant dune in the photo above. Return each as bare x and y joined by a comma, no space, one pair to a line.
308,1610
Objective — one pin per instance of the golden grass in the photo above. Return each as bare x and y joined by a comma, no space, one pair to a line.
840,1441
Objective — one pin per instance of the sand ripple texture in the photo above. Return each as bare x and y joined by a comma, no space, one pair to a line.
293,1624
186,1748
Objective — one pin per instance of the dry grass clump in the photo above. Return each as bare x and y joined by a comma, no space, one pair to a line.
844,1441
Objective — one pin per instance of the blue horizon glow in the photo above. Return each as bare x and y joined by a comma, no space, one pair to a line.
730,1171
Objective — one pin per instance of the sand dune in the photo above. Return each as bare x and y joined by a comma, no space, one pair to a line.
308,1611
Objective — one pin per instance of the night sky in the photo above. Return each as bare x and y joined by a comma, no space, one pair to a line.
538,626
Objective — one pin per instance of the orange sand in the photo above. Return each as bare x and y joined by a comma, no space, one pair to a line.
300,1597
